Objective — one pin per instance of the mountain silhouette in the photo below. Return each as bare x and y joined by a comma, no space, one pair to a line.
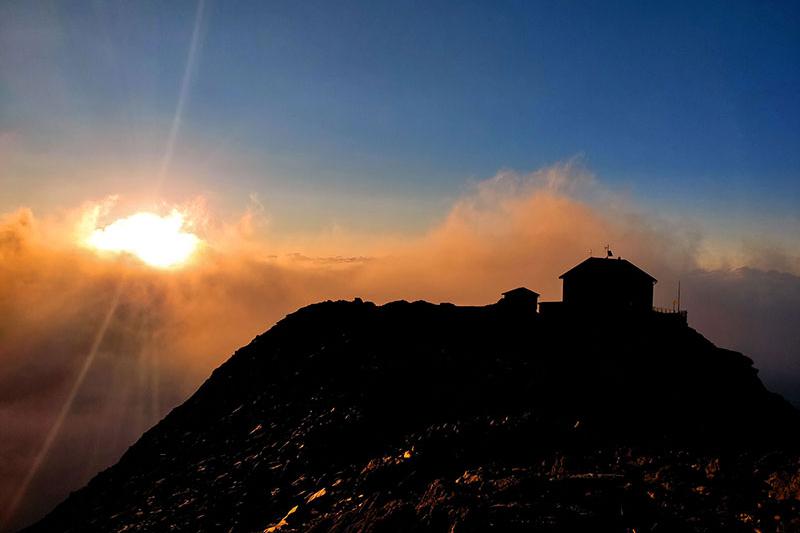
348,416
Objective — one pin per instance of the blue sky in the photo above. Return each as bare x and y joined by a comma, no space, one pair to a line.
360,127
690,107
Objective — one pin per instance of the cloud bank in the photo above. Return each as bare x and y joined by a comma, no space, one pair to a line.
126,342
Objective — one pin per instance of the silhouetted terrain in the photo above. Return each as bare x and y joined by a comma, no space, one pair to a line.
348,416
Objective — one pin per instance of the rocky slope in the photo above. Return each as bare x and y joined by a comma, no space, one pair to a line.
347,416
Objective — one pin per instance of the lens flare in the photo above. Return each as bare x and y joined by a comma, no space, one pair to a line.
159,241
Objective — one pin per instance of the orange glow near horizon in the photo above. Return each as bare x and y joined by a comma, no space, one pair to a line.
159,241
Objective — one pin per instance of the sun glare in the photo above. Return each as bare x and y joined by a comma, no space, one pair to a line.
159,241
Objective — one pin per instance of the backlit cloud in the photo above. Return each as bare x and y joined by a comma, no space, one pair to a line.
163,332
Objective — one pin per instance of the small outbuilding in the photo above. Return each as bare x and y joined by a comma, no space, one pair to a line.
608,284
521,297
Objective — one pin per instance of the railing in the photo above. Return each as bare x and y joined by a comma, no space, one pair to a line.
681,314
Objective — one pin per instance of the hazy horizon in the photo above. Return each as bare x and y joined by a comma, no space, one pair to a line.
382,151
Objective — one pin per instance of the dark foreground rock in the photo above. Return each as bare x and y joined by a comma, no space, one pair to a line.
347,416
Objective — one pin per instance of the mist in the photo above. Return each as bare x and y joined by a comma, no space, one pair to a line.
124,343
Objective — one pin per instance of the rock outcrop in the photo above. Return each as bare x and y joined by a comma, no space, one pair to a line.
347,416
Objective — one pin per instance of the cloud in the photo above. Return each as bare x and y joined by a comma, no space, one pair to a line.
167,330
757,312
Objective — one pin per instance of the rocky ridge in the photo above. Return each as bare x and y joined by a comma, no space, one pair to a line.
347,416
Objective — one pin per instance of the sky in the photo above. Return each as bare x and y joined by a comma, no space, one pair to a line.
439,151
334,109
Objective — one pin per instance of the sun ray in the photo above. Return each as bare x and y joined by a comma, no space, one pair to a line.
177,118
55,429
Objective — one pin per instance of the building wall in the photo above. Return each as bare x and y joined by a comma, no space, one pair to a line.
608,292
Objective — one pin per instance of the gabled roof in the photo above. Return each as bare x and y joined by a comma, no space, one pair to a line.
602,265
521,291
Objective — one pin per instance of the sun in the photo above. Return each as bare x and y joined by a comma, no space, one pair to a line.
159,241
